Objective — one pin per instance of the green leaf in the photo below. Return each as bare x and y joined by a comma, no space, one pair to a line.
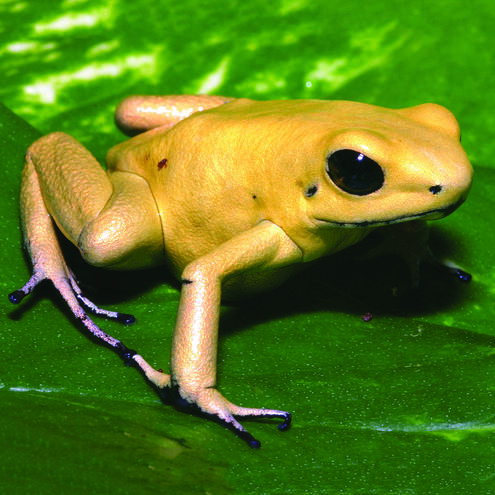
403,404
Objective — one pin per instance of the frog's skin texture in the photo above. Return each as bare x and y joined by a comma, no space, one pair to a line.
231,195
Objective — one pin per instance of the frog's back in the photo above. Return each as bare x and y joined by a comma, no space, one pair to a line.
230,168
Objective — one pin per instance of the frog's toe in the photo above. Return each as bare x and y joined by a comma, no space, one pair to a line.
454,271
263,413
446,268
124,318
229,422
461,275
18,295
156,377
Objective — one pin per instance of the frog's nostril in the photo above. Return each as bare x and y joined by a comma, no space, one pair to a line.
435,189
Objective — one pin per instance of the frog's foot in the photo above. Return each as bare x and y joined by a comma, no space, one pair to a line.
415,260
409,241
449,268
77,302
210,402
125,318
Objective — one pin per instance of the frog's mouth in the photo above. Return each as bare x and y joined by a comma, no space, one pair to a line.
426,215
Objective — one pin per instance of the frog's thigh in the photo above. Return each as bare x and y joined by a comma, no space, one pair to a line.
127,233
112,219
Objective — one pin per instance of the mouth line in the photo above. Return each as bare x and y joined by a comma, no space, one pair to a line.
379,223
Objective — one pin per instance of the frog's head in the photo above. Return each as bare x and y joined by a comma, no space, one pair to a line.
387,166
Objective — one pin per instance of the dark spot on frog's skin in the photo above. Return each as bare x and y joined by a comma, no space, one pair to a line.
186,281
435,189
254,196
311,190
162,163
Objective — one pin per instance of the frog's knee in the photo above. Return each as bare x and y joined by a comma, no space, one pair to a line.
117,244
100,243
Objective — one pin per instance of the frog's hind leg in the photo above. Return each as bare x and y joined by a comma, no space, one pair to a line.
140,113
47,258
62,182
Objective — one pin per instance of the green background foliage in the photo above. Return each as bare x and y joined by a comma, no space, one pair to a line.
403,404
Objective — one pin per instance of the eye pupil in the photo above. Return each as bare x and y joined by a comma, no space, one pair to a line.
354,172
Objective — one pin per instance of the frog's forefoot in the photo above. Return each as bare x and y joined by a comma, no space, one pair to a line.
244,435
233,425
452,270
210,403
409,241
444,268
228,421
462,276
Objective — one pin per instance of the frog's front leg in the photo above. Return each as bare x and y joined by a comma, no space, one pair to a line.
194,351
109,218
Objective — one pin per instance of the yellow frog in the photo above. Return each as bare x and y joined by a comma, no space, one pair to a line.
232,195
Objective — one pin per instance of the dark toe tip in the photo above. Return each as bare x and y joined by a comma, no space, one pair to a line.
17,296
286,424
463,276
126,319
255,444
248,438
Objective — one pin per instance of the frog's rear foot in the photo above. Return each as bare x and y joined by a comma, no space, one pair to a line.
124,318
78,304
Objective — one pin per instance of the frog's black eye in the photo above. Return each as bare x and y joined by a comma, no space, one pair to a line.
354,172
